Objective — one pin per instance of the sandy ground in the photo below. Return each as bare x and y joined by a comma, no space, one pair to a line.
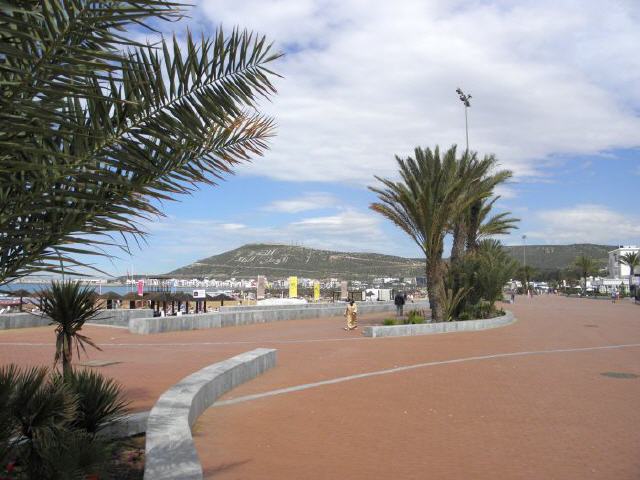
523,401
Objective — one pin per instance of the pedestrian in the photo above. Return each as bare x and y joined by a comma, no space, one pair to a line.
399,302
614,295
351,313
513,296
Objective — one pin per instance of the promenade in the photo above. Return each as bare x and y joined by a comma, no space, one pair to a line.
550,396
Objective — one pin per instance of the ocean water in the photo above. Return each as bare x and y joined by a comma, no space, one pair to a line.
119,289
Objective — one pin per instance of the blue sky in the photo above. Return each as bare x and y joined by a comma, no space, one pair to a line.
556,96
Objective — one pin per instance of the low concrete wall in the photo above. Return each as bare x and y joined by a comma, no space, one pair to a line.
170,451
21,320
119,317
250,315
440,327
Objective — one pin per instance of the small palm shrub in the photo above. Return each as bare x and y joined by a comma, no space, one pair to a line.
49,423
69,305
388,321
415,317
99,398
481,278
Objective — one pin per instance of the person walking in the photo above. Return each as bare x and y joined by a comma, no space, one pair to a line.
513,297
614,295
399,302
351,313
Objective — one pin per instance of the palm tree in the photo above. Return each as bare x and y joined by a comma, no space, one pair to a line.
69,305
481,178
96,128
632,260
489,226
586,265
526,272
423,203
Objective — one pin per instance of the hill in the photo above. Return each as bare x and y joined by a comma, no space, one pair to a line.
558,257
278,261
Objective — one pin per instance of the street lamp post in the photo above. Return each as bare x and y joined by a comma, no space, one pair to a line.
465,100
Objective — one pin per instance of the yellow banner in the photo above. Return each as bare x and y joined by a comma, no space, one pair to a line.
316,291
293,287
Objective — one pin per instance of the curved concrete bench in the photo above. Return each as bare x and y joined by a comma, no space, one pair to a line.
170,451
440,327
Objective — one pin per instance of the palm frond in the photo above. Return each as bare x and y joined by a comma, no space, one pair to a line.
97,128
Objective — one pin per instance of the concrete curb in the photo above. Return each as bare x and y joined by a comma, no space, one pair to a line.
170,453
441,327
117,317
251,315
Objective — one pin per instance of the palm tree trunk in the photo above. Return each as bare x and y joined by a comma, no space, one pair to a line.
435,288
473,226
66,357
459,240
457,254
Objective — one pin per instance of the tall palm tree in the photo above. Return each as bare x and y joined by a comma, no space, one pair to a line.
585,265
69,306
423,203
482,178
632,260
96,128
489,226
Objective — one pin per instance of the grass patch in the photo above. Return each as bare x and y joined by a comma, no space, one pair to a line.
388,322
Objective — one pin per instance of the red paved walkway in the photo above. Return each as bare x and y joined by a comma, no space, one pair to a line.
539,415
533,416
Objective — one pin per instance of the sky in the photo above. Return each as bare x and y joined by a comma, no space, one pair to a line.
556,97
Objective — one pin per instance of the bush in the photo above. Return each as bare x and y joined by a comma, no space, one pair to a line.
414,317
49,422
100,400
388,321
481,275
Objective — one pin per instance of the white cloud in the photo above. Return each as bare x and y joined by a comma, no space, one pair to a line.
232,226
346,223
587,224
310,201
366,80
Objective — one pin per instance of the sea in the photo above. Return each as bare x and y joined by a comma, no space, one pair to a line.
100,289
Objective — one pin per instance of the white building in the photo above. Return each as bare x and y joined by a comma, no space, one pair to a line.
616,268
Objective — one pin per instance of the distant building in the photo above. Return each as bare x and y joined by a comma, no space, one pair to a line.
616,268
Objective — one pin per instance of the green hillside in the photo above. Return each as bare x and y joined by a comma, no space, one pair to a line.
278,261
554,257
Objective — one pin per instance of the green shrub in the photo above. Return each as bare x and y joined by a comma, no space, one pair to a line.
415,316
55,419
481,309
388,321
100,400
